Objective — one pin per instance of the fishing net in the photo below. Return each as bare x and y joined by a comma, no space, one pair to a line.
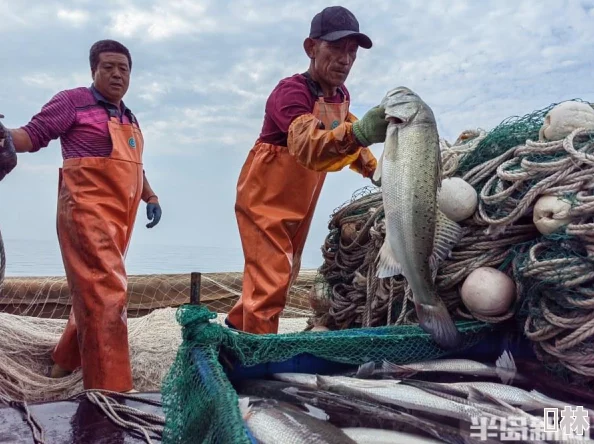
199,401
49,296
554,274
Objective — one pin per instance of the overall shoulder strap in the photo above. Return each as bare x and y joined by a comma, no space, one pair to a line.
316,90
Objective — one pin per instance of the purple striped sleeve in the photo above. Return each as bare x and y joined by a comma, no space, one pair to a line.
55,118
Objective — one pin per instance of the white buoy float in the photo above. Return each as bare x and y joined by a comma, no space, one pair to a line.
550,213
566,117
320,328
488,292
457,199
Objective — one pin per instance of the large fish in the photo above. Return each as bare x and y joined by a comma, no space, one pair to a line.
418,236
504,368
364,435
405,396
272,422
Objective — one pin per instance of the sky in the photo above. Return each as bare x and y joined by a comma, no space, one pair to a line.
202,71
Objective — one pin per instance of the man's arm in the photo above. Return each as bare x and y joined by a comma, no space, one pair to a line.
54,119
148,195
315,148
153,209
21,140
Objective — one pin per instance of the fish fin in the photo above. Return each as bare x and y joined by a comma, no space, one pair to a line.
316,412
244,406
322,382
400,370
475,395
387,265
505,367
376,179
447,234
436,321
365,371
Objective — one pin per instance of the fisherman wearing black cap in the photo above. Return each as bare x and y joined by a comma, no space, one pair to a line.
307,132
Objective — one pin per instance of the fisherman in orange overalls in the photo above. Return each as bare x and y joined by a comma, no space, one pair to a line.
101,183
308,131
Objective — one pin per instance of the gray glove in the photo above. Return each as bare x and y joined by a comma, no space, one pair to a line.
8,156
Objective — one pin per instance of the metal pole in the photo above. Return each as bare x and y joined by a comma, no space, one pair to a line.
195,281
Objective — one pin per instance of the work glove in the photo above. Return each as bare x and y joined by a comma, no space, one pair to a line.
372,127
153,212
8,156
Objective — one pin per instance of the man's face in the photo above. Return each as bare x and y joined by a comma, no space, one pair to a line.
112,76
333,60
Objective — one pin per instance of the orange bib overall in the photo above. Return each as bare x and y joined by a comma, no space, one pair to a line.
276,200
98,201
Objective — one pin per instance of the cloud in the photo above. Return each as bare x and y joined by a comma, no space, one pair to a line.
162,20
204,69
75,17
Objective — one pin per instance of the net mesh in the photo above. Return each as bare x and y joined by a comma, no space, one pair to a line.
199,401
49,297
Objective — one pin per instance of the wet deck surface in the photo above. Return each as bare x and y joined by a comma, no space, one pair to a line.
77,421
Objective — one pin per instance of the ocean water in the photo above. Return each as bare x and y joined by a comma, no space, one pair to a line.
43,258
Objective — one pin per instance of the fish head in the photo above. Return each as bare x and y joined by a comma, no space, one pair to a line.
403,106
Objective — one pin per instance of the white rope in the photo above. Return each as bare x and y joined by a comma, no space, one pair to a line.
38,435
139,421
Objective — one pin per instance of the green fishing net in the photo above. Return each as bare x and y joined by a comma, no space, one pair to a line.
199,401
511,132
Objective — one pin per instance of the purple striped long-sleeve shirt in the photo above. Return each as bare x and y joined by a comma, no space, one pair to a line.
79,118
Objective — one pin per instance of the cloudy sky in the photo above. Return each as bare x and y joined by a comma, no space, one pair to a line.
203,70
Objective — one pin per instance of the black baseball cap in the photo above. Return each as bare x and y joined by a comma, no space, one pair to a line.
337,22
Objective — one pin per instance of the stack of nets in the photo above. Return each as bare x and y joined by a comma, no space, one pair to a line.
554,274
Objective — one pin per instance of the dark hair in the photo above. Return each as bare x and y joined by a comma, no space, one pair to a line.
107,46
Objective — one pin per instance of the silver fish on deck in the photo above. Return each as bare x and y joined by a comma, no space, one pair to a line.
394,393
504,368
515,396
418,236
363,435
273,422
305,379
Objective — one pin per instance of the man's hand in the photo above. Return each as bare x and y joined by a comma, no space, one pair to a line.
372,127
8,156
153,213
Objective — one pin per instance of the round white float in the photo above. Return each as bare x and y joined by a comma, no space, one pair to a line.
457,199
550,213
488,292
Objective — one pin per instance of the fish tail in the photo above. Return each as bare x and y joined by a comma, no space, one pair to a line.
436,321
366,370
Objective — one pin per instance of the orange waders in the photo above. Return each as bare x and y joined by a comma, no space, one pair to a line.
97,204
276,200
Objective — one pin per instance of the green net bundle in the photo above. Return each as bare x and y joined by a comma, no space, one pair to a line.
510,168
199,401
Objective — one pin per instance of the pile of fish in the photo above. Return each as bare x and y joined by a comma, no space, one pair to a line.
386,403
